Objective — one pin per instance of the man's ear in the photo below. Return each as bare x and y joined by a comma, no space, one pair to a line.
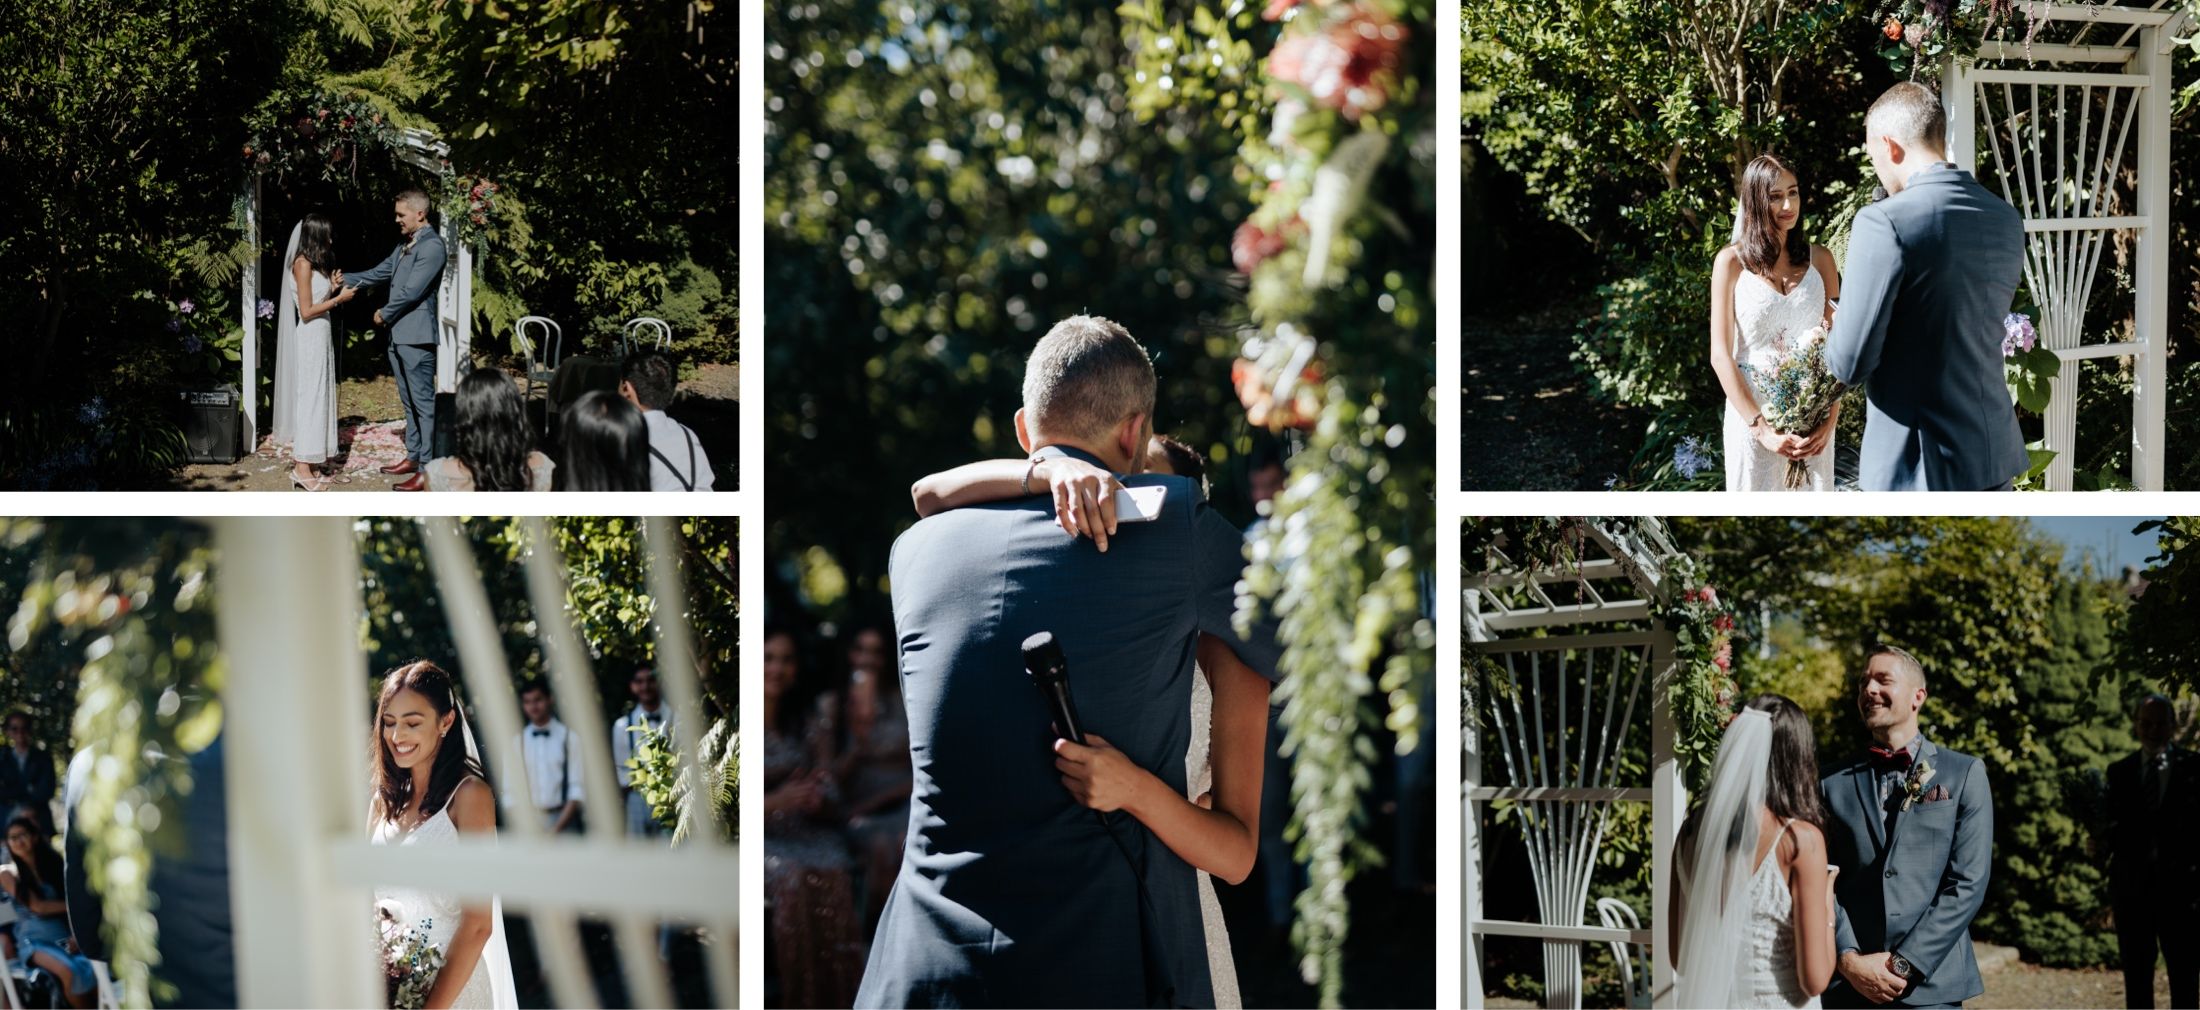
1895,153
1023,431
1130,438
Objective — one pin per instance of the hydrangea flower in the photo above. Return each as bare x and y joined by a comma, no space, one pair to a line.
187,306
192,344
265,310
2017,335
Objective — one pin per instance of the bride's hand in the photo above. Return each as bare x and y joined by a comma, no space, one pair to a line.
1775,442
1097,775
1084,498
1818,440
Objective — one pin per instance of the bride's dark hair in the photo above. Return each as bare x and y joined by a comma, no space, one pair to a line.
317,242
1757,240
393,786
1791,780
492,437
1791,772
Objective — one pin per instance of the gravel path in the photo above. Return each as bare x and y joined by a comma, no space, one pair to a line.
371,417
1526,421
2016,984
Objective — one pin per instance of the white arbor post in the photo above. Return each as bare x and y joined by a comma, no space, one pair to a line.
1562,707
2059,142
249,308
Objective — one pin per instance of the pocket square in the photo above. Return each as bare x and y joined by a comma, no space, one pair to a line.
1935,795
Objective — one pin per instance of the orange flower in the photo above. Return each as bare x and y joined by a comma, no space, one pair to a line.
1893,30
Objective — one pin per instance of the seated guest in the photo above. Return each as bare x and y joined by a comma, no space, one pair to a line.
495,451
26,773
676,459
606,444
42,939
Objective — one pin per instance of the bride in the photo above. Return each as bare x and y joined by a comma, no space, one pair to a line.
1753,906
1767,289
1216,827
429,789
305,353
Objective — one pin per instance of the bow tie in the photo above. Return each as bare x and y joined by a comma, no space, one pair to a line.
538,732
1885,760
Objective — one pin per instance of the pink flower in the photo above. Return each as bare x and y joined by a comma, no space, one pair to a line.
1724,658
1277,9
1350,66
187,306
1252,245
1723,622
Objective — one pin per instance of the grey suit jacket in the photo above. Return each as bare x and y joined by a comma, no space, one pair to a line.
1010,894
1916,893
415,276
1930,276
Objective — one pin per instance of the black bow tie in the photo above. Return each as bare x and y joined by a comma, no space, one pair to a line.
538,732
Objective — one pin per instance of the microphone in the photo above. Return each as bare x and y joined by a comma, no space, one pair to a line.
1879,193
1049,671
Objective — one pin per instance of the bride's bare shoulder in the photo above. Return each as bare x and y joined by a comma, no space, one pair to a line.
1808,837
473,807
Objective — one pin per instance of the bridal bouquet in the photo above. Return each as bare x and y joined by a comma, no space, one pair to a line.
409,961
1797,393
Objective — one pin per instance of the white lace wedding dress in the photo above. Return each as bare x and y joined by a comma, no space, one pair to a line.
490,987
1767,970
1765,323
305,370
1199,778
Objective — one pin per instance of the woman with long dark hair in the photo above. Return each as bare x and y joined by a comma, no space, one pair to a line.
1771,292
305,352
809,879
429,789
606,444
33,881
1752,894
495,448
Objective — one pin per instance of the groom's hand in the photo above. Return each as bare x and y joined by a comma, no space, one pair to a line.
1871,977
378,317
1097,775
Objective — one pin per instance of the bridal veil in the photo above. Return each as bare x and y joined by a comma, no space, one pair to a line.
1716,871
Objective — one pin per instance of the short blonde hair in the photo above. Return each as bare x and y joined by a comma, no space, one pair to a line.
1084,377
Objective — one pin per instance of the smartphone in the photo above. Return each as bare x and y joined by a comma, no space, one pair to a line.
1140,504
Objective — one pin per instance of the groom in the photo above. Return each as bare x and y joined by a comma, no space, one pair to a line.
1912,827
414,272
1930,275
1010,894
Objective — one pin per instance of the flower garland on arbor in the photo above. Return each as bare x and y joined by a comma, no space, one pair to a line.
1916,35
321,136
1340,353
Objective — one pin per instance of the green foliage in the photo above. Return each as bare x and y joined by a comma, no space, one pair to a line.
656,775
120,607
1649,346
2163,638
2020,655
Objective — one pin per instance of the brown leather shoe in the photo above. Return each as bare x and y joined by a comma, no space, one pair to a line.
419,482
403,466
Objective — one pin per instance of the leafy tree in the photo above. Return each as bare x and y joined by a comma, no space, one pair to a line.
2163,638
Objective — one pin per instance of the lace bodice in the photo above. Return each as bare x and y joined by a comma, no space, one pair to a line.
1767,322
1767,968
1767,325
436,914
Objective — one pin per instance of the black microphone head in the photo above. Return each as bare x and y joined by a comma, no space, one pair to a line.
1879,193
1043,658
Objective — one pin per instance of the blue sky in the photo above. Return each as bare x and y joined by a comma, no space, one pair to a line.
2107,538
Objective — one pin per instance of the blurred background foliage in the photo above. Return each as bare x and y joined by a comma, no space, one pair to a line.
1602,141
609,126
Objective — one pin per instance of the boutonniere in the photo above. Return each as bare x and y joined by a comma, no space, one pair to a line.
1913,787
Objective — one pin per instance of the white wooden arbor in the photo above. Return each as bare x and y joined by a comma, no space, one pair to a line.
297,781
1572,657
2076,129
454,297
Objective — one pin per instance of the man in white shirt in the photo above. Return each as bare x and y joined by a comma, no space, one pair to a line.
552,758
676,459
649,710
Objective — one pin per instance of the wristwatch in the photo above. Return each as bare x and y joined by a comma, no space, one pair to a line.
1902,966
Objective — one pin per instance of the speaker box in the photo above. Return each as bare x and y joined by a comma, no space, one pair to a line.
212,424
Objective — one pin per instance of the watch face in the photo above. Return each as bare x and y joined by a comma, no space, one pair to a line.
1900,965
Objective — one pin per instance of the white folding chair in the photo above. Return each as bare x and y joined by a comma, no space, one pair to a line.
643,329
109,998
542,354
1617,914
